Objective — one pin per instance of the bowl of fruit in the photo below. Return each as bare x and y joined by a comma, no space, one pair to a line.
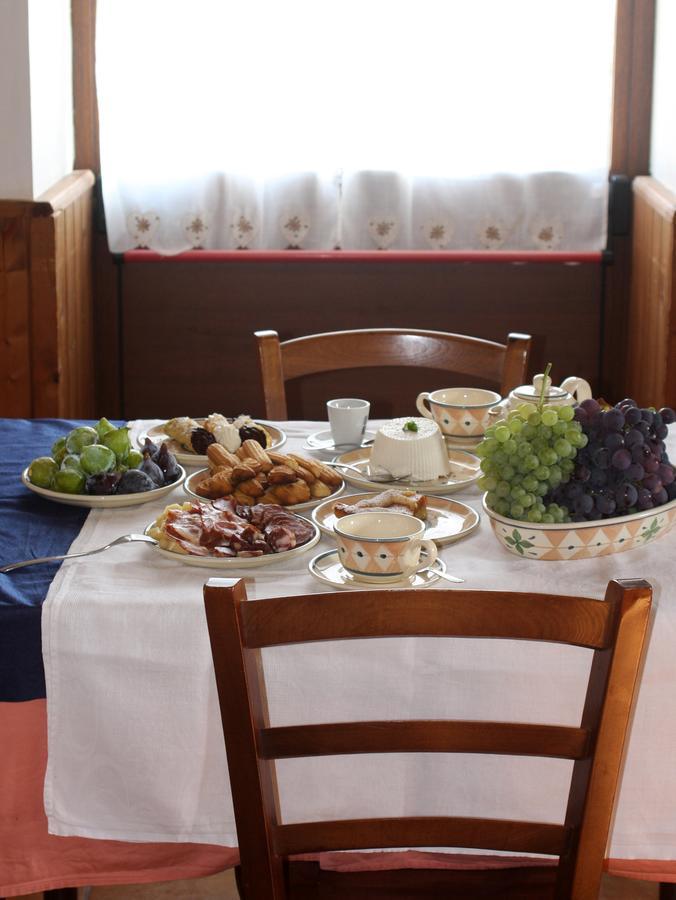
96,466
578,482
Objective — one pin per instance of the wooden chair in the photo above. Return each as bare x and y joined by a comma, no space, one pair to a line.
505,365
613,628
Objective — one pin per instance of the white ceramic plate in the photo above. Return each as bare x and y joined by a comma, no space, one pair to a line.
196,477
158,435
238,562
322,442
447,520
465,471
96,501
326,567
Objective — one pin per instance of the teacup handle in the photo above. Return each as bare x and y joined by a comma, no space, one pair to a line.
431,548
423,409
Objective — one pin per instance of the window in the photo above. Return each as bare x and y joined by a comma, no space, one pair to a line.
390,124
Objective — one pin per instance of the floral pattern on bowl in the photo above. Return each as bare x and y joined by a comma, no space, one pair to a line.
582,540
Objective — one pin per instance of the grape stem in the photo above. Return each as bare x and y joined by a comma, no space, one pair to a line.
541,403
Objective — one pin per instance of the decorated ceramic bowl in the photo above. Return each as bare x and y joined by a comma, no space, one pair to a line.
582,540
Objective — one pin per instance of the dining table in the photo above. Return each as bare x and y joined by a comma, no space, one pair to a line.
113,765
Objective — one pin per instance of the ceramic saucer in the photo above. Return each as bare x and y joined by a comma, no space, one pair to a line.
464,471
327,568
322,442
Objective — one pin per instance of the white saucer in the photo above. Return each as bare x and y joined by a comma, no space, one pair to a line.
326,567
464,471
323,442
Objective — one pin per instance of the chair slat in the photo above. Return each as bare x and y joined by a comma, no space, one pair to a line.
519,616
378,347
421,736
422,831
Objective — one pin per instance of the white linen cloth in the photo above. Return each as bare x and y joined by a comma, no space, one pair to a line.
135,743
394,134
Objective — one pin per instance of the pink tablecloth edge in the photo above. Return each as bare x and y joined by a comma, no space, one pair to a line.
22,813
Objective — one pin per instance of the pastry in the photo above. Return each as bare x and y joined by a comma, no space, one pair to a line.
391,500
219,456
180,430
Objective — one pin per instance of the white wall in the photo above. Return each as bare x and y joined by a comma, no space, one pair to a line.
36,101
16,173
51,81
663,138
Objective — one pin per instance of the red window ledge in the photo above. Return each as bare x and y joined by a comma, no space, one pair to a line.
426,256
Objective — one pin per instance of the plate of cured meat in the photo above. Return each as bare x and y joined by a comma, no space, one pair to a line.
222,534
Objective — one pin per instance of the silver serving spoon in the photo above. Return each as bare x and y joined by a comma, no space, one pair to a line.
384,478
125,539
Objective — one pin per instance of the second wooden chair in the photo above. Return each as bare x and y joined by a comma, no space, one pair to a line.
505,365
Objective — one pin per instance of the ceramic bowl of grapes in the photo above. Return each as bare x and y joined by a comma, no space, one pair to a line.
96,466
578,482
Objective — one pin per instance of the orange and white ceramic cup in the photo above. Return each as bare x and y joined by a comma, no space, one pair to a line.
382,547
459,412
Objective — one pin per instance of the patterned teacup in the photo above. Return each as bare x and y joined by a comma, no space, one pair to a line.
459,412
382,547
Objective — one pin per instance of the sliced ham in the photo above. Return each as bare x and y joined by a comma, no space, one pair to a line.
222,529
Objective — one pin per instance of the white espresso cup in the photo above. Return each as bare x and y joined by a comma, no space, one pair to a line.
348,418
382,547
460,412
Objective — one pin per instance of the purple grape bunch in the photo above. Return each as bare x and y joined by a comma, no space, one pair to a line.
624,468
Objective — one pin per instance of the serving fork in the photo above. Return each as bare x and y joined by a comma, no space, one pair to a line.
125,539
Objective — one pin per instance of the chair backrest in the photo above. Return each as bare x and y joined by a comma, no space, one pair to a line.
505,365
613,628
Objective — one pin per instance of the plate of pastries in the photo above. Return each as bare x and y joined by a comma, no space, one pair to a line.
253,475
188,439
446,521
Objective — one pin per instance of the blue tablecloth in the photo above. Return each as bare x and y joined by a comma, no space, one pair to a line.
29,526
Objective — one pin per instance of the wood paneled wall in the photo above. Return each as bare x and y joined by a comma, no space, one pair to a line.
187,345
651,363
46,303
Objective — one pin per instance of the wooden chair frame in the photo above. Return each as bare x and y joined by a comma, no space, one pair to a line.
614,628
504,364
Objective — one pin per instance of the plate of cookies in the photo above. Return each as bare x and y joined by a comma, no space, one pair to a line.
253,475
188,439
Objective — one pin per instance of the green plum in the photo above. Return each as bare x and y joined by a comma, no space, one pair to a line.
134,459
42,470
69,481
103,426
97,458
80,437
59,450
118,441
71,461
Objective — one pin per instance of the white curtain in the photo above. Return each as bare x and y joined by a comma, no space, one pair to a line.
363,124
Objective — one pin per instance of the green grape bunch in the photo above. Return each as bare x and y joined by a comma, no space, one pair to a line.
527,455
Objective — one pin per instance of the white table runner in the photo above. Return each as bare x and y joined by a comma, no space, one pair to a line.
135,743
